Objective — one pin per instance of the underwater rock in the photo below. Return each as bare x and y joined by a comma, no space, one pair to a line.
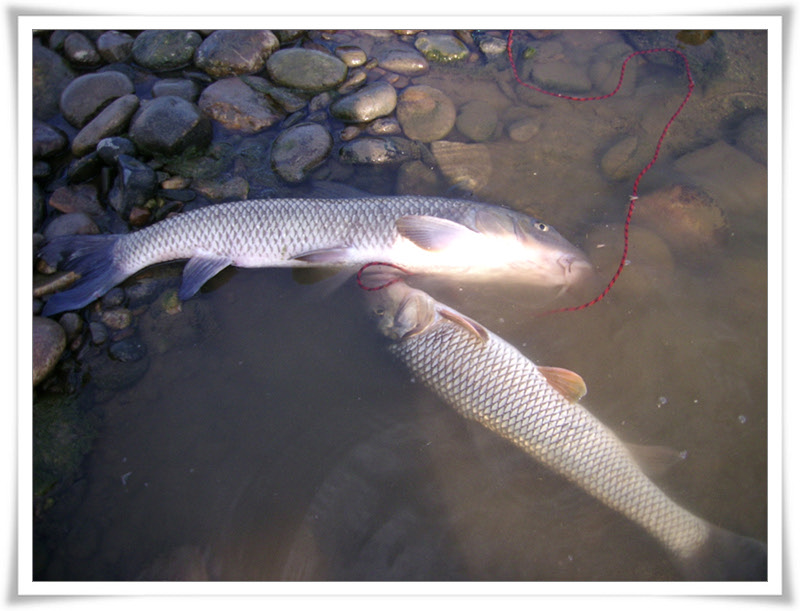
477,120
49,341
466,166
300,149
425,113
230,52
161,50
306,69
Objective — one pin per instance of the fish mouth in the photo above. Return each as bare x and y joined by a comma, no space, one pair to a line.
577,269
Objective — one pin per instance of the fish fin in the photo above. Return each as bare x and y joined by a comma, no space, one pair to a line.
199,270
470,325
494,222
91,256
567,382
430,232
375,276
325,256
726,556
655,460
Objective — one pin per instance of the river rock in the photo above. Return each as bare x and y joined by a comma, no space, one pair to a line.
48,141
170,125
179,87
76,198
71,224
300,149
161,50
417,178
236,106
620,161
376,151
112,120
114,46
561,76
375,100
39,210
466,166
477,120
231,52
134,186
751,137
79,50
352,56
425,113
109,149
402,60
117,318
523,129
235,188
87,95
306,69
51,75
441,48
49,341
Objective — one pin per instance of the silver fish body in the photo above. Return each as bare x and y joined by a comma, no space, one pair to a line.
486,379
421,234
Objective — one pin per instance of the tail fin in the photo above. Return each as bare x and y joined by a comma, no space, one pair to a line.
91,256
726,556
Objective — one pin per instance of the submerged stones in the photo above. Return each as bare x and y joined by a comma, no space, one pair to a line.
169,125
306,69
299,150
375,100
161,50
49,341
235,105
425,113
232,52
88,94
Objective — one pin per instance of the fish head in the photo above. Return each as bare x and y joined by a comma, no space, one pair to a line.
401,311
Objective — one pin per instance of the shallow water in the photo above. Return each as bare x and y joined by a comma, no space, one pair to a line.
283,442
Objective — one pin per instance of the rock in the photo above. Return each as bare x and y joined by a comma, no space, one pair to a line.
79,50
477,120
375,100
384,126
170,125
300,149
134,186
113,298
351,56
84,168
466,166
115,46
109,149
234,189
179,87
236,106
87,95
441,48
161,50
76,198
377,151
117,318
121,370
425,113
416,178
232,52
98,333
48,141
620,161
492,46
72,324
71,224
112,120
751,137
561,76
39,211
523,129
306,69
404,60
51,75
49,341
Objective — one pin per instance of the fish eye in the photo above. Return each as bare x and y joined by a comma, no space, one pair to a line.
380,311
542,226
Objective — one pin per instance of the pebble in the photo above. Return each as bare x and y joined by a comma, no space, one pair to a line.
134,185
234,105
384,126
48,141
71,224
98,333
113,298
112,120
620,161
170,125
751,137
127,350
300,149
179,87
109,149
51,75
76,198
522,130
231,52
405,60
116,318
161,50
49,341
442,48
561,75
416,178
477,120
114,46
72,324
466,166
425,113
79,50
233,189
87,95
306,69
375,100
376,151
351,56
84,168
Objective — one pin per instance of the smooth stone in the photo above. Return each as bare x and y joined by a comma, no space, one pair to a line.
425,113
109,149
117,318
356,79
40,169
115,46
49,341
51,75
751,137
620,161
235,188
466,166
306,69
72,324
561,76
300,149
406,61
161,50
79,50
352,56
441,48
128,350
113,298
72,223
238,107
384,126
523,129
477,120
417,178
47,284
87,95
170,125
179,87
76,198
134,186
112,120
493,46
231,52
375,151
375,100
98,333
48,141
84,168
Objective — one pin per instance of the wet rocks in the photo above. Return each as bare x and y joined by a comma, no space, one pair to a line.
375,100
232,52
170,125
161,50
477,120
49,341
300,149
134,186
466,166
620,161
441,47
76,198
376,151
51,75
88,94
236,106
47,140
306,69
425,113
404,61
114,46
80,51
112,120
70,224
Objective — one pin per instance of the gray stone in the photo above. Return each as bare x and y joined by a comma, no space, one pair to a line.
477,120
352,56
425,113
375,100
161,50
117,318
384,126
236,106
72,324
236,188
84,168
442,48
561,75
48,141
115,46
300,149
109,149
87,95
51,75
751,137
76,198
49,341
71,224
376,151
619,162
98,333
112,120
306,69
79,50
523,129
232,52
170,125
405,61
179,87
134,186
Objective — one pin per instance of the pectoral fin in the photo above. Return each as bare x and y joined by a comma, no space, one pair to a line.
470,325
432,233
198,271
655,460
567,382
325,256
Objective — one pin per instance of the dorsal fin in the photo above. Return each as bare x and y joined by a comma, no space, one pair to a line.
567,382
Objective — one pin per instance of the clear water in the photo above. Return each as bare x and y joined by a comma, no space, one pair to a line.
282,442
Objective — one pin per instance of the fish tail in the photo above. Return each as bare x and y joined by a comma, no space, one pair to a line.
726,556
91,256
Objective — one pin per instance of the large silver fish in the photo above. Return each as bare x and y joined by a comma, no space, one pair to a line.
486,379
422,234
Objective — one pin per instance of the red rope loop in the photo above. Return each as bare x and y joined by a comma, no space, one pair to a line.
384,285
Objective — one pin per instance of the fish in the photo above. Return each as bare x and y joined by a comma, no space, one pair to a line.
432,235
487,380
